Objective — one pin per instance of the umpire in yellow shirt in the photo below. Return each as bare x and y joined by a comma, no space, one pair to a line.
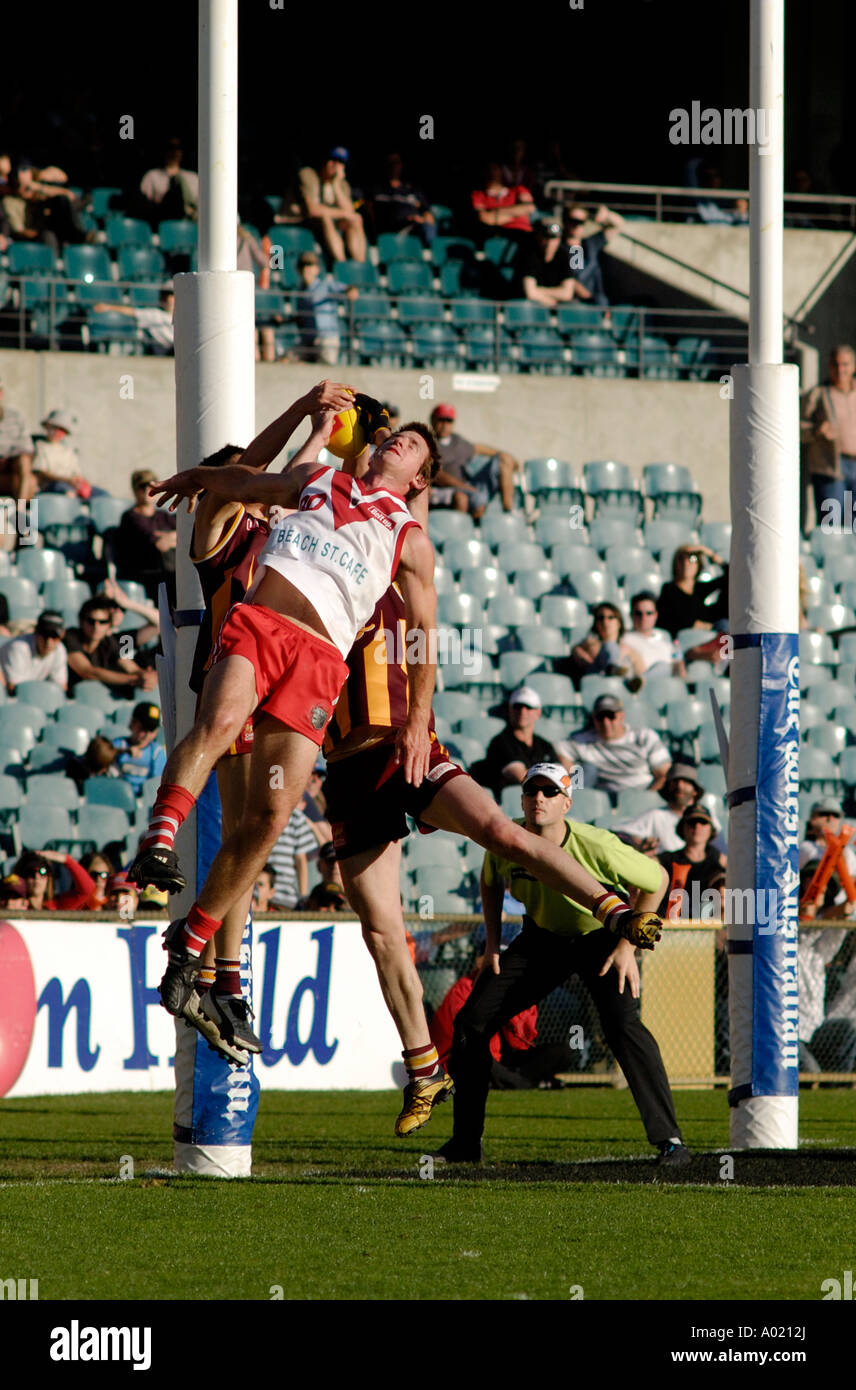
560,939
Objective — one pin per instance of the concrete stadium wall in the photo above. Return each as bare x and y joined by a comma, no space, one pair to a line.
575,418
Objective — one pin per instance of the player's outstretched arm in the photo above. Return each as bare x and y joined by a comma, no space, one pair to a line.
234,482
415,579
327,395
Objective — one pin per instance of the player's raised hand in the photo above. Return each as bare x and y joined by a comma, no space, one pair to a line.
328,395
186,484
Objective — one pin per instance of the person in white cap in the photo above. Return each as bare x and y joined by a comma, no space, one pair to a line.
514,750
560,938
55,461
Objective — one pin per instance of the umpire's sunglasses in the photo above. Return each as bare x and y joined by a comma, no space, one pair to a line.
533,789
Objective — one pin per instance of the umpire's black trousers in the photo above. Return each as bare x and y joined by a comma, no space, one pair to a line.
534,964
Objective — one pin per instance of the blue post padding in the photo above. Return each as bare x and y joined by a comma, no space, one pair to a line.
775,989
225,1098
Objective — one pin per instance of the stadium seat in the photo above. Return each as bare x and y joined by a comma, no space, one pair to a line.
127,231
106,512
815,648
635,801
655,360
840,567
110,791
178,236
409,277
88,263
595,354
484,727
460,278
439,850
269,307
828,736
100,199
827,695
846,766
592,687
516,667
469,554
536,583
361,274
556,530
434,343
11,798
22,596
501,251
481,682
691,354
540,348
589,804
543,641
46,695
523,313
141,263
93,693
554,478
41,827
484,347
465,751
370,306
608,533
452,248
612,485
466,312
393,247
563,611
66,595
672,490
484,582
518,556
462,610
144,296
499,529
624,560
579,317
106,328
102,824
495,639
31,258
717,535
594,587
513,610
80,716
63,736
556,692
818,771
686,716
46,758
447,527
664,537
382,343
41,565
420,309
52,790
640,714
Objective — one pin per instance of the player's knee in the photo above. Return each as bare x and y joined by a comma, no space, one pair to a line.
263,825
502,837
220,725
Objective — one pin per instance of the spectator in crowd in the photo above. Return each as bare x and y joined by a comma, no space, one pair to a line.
605,650
99,760
657,649
824,815
145,541
400,207
256,257
100,869
329,210
657,829
39,209
154,321
503,210
516,1062
33,871
516,172
827,986
94,654
683,601
545,276
121,603
289,860
696,862
457,483
582,254
708,177
828,435
55,461
37,656
17,478
170,192
139,754
329,894
512,752
123,896
264,890
615,758
318,311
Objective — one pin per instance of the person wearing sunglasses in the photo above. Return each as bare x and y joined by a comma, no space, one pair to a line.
706,865
94,653
560,939
656,649
614,757
605,651
34,870
583,253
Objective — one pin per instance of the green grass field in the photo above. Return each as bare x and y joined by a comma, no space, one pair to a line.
337,1208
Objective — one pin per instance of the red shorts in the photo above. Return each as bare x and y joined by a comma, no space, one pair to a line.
298,675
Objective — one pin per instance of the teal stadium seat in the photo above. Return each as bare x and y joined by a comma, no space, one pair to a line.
517,556
100,199
563,611
467,312
483,347
523,313
484,582
88,263
828,736
513,610
596,587
43,827
52,789
367,307
45,695
178,236
11,799
361,274
500,529
595,354
434,344
393,248
818,772
543,641
606,533
409,277
420,309
382,344
610,483
102,824
656,362
127,231
452,248
31,258
107,328
516,667
536,583
673,492
141,263
554,479
41,566
66,737
110,791
106,512
446,528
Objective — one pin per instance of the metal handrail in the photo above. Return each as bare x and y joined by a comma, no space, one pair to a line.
694,196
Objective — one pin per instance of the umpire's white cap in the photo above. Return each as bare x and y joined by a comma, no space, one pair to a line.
551,772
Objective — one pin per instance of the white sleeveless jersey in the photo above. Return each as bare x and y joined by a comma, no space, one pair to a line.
340,549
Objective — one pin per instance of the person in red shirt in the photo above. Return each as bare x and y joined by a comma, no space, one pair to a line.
501,209
518,1035
34,868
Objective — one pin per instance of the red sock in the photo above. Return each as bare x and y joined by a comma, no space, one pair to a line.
173,805
228,976
421,1062
199,929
